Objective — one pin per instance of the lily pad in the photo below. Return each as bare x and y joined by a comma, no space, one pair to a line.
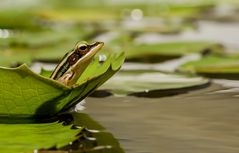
164,9
152,83
77,15
25,94
16,138
18,19
46,45
42,38
78,132
215,66
169,50
10,57
162,27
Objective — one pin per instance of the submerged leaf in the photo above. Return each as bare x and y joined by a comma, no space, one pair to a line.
132,82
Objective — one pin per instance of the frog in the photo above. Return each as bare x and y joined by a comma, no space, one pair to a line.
74,62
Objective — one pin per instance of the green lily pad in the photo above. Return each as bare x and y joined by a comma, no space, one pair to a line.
18,19
215,66
16,138
10,57
194,10
146,83
73,134
77,15
29,95
42,38
164,51
166,27
164,9
46,45
31,17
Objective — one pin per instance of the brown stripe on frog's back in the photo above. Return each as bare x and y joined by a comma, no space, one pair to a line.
67,62
70,59
75,62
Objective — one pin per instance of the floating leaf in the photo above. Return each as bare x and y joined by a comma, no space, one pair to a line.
167,9
73,135
23,138
28,95
163,51
147,82
215,66
10,57
18,19
45,45
167,27
77,15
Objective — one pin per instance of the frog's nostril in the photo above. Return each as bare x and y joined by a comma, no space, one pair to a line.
97,43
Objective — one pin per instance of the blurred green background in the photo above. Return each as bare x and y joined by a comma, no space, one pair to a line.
43,30
172,47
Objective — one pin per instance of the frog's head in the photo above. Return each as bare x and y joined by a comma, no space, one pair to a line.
82,48
75,62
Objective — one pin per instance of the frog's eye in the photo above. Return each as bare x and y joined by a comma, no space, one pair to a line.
83,47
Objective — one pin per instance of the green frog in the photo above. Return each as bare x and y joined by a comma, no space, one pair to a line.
75,62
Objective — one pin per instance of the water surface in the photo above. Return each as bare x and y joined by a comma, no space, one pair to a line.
201,121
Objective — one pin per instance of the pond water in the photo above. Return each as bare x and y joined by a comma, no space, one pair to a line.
205,120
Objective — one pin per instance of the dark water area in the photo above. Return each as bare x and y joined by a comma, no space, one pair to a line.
205,120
